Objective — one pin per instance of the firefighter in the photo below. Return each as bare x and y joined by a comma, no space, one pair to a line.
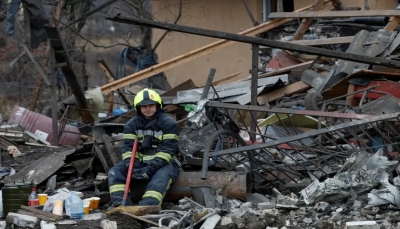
155,160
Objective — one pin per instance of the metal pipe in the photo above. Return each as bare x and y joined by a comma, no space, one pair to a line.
238,184
254,40
208,84
254,87
265,10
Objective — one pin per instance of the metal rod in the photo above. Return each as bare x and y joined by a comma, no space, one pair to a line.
255,40
54,109
254,87
255,23
308,134
288,111
208,84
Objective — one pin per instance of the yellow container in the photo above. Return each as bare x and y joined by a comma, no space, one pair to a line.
42,199
90,203
96,202
86,210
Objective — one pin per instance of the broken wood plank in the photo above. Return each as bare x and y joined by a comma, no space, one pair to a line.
284,70
194,54
136,210
305,24
100,155
111,78
41,169
171,108
110,150
40,212
141,219
392,24
42,217
350,98
327,41
347,56
110,105
334,14
279,93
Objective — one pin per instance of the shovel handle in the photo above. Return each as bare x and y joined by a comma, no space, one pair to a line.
129,175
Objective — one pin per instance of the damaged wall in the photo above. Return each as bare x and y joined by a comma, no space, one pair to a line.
223,15
373,4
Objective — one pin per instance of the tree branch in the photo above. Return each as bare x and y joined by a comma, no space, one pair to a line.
167,31
90,42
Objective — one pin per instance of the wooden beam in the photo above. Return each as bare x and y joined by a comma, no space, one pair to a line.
334,14
392,24
141,219
40,212
327,41
110,105
283,70
279,93
194,54
305,24
111,78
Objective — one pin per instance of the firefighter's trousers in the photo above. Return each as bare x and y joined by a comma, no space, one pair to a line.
156,188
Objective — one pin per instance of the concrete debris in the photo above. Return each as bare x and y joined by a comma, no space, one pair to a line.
94,216
367,175
46,225
21,220
107,224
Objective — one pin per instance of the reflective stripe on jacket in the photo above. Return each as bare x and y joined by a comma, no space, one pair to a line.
165,130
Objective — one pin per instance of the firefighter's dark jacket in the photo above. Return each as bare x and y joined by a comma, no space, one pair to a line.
159,135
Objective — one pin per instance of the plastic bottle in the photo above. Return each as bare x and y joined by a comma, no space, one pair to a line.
74,206
58,207
33,198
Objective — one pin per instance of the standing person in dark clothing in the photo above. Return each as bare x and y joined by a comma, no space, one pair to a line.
155,159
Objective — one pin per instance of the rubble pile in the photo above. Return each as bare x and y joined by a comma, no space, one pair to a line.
309,140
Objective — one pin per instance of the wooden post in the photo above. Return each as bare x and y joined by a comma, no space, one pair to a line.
392,24
306,22
110,105
54,111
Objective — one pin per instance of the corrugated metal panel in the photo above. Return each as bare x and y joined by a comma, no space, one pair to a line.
41,126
